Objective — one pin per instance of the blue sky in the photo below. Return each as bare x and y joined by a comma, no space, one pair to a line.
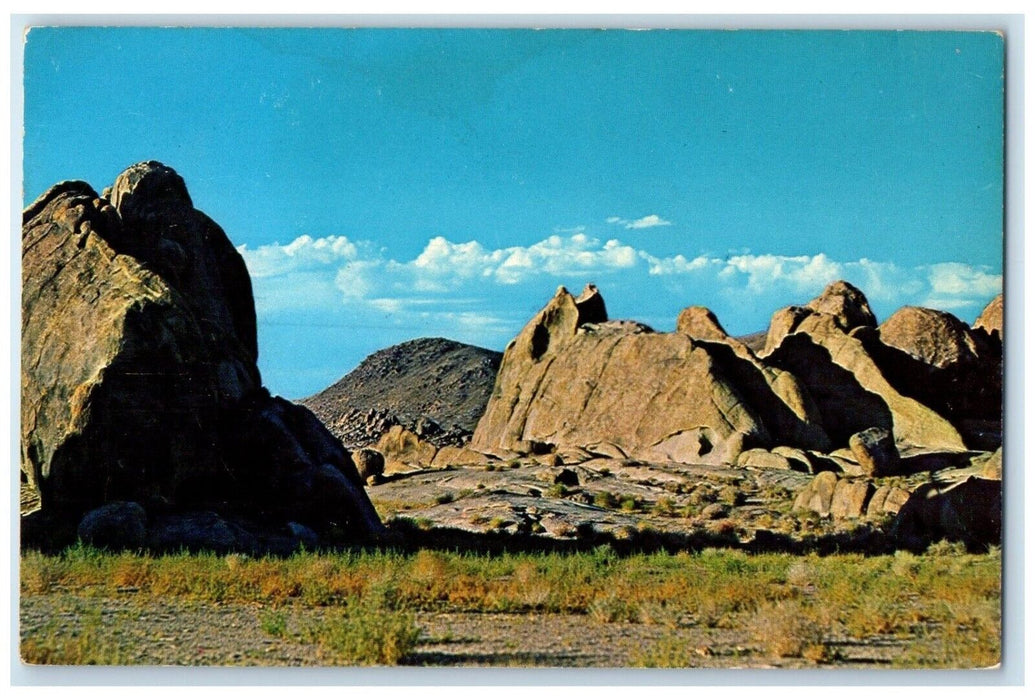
390,184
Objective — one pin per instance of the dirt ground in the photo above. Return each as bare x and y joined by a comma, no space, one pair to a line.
181,633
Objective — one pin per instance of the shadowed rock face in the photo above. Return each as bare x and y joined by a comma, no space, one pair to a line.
139,376
934,337
952,368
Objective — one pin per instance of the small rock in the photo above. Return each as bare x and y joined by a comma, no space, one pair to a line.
798,459
762,459
850,498
818,496
558,527
715,511
874,449
115,525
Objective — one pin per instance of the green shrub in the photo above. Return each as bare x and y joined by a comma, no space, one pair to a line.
664,506
273,622
612,608
557,491
366,633
668,652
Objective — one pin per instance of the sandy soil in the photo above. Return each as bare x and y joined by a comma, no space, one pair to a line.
205,634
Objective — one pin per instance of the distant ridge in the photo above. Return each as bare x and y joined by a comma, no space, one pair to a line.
436,387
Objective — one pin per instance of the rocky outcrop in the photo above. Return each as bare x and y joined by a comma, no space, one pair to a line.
990,321
948,366
139,376
572,378
699,322
840,306
852,390
433,387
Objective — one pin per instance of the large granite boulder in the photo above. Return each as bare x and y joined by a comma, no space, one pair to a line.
934,337
572,378
818,494
853,392
968,511
115,525
950,367
875,452
403,449
846,304
139,375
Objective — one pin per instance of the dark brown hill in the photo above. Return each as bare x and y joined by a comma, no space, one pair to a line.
437,388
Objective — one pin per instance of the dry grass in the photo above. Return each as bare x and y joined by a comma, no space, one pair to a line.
789,628
89,645
953,598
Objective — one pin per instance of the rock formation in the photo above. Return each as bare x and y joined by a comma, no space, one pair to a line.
572,379
991,318
968,511
433,387
950,367
139,376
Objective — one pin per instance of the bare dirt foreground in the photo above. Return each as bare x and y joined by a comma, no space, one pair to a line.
128,632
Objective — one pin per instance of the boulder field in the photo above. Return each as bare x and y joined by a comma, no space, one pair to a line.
831,393
139,384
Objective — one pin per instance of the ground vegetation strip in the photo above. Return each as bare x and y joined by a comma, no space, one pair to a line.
718,608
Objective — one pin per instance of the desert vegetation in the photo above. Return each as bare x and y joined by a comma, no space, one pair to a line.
938,609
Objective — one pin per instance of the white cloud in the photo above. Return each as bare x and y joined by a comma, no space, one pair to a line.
955,279
335,272
303,253
649,221
944,286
